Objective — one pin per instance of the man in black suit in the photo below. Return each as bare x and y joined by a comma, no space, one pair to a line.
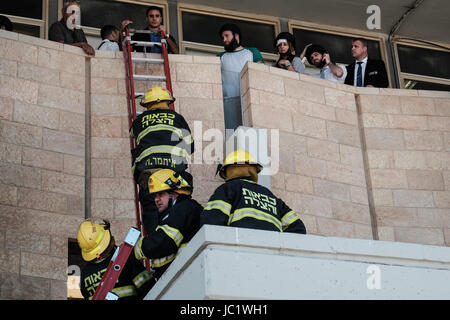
368,72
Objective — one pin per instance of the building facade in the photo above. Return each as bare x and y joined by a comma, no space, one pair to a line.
361,163
405,34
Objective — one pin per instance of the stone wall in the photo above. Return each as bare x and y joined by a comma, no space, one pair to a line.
407,137
356,162
42,163
55,170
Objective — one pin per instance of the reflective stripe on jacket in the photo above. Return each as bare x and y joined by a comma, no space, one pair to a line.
243,203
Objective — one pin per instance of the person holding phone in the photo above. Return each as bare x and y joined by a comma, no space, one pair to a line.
154,19
285,46
320,58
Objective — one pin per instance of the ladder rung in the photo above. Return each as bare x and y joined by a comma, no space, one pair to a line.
141,31
146,44
148,60
145,77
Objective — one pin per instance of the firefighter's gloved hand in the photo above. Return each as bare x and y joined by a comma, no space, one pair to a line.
138,249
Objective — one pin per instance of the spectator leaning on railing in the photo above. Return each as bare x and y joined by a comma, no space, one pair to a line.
67,31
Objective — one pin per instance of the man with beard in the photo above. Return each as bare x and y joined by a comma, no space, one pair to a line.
232,61
67,31
285,44
320,58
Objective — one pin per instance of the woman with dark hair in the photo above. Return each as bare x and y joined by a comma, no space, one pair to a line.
285,45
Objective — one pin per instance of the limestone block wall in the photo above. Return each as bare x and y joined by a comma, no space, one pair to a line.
356,162
321,172
407,137
65,151
196,86
42,163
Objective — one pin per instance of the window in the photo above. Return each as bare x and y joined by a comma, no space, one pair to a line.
422,85
28,16
23,8
27,29
199,30
337,43
423,67
339,46
97,13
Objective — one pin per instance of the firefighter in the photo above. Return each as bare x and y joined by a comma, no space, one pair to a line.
242,202
178,219
163,140
97,248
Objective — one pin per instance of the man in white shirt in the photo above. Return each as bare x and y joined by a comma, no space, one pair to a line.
232,61
320,58
110,35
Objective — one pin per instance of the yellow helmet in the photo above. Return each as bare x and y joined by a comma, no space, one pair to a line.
238,157
93,239
167,179
157,94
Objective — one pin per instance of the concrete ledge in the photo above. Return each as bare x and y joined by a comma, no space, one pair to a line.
232,263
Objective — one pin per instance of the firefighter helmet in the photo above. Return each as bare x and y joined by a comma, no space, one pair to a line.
93,239
157,94
167,179
238,157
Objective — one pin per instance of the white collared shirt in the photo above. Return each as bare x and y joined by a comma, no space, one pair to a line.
329,75
363,65
107,45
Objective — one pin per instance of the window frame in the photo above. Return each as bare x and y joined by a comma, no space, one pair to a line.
41,23
95,32
402,76
346,32
218,12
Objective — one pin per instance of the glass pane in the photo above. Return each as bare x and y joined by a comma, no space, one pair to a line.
258,35
97,13
422,85
338,46
22,8
425,62
27,29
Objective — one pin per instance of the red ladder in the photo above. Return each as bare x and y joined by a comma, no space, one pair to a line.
115,267
132,95
120,257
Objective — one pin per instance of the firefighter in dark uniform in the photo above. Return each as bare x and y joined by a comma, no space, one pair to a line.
178,220
242,202
97,248
163,140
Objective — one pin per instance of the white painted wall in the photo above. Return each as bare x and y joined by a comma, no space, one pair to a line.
232,263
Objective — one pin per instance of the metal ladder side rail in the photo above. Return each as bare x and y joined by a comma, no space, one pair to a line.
131,113
167,67
131,102
116,266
